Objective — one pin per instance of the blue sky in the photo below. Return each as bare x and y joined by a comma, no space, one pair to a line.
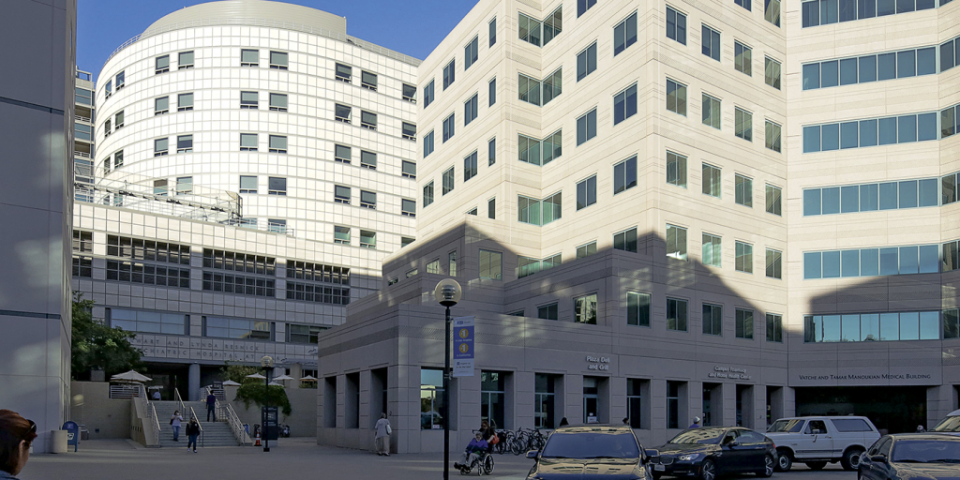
413,27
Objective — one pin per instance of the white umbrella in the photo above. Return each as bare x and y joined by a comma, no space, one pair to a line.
257,376
230,383
276,384
284,377
309,378
130,376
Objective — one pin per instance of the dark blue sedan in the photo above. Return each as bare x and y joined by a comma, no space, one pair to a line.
913,456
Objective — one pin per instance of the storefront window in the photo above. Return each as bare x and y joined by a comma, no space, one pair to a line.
634,397
431,398
673,404
492,398
544,403
591,396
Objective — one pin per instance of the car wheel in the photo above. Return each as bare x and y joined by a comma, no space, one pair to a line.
851,459
708,470
768,466
816,465
784,461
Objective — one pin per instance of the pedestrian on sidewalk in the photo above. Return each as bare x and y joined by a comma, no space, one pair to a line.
16,435
193,431
383,435
175,422
212,406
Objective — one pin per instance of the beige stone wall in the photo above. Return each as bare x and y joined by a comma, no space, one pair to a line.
93,409
303,417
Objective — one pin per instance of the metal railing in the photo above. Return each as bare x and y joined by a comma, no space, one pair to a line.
82,118
226,413
176,396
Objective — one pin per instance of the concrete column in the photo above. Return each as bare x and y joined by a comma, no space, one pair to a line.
524,388
193,383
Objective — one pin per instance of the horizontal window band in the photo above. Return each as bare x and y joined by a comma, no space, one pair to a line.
33,106
15,313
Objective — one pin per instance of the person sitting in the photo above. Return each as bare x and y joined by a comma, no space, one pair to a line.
476,446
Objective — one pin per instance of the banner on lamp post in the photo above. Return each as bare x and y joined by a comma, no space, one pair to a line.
463,347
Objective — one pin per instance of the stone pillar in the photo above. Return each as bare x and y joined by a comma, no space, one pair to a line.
193,383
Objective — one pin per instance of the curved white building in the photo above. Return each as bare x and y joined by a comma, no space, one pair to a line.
254,164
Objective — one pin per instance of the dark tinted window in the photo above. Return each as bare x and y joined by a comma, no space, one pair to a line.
946,450
793,425
699,435
751,437
591,445
852,425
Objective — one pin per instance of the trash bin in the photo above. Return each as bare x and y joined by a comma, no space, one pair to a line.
84,435
58,441
246,428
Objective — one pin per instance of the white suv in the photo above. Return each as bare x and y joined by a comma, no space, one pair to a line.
817,441
950,424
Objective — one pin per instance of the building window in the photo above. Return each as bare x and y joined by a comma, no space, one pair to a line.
774,328
452,263
470,110
492,208
184,102
249,58
409,169
248,184
185,60
184,185
491,265
544,415
493,397
773,199
341,194
673,403
248,142
448,180
744,324
409,93
676,26
343,113
368,120
492,151
771,70
552,25
184,143
248,222
449,127
710,180
884,327
531,152
587,127
162,64
584,5
587,192
368,239
277,186
471,53
161,105
774,263
626,240
106,128
368,199
676,169
368,160
278,102
82,266
470,166
428,144
343,73
368,80
743,58
309,334
449,73
118,120
676,315
431,399
249,100
118,159
743,124
341,235
585,309
744,190
82,241
710,42
529,29
638,309
625,175
428,94
711,111
586,61
586,250
527,266
434,267
427,194
712,319
408,131
744,3
744,257
676,97
625,34
493,31
408,208
492,92
108,89
771,12
712,250
120,79
625,104
548,312
148,322
676,242
278,60
161,147
342,154
772,136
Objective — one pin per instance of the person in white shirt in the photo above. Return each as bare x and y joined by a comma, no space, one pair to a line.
383,435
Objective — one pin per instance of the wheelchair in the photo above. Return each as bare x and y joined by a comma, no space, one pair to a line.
483,464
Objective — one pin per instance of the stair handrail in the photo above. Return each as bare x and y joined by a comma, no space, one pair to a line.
226,413
156,421
176,395
194,415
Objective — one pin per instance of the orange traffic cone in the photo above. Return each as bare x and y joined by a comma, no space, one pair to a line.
257,443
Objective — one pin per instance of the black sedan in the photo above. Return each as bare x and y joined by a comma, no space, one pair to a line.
709,452
590,452
914,456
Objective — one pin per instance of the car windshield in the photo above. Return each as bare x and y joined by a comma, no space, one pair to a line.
793,425
592,445
925,451
949,424
699,435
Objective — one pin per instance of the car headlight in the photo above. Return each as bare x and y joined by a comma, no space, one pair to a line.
690,457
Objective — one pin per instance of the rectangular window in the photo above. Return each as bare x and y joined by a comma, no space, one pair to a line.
492,28
184,143
772,136
743,58
744,190
428,144
638,309
744,3
249,100
676,26
774,328
529,89
527,266
676,315
712,319
586,250
448,180
249,58
744,324
771,70
428,95
625,104
492,209
584,5
586,61
774,264
341,194
744,262
552,25
409,169
626,240
278,60
711,180
492,151
449,127
427,194
587,127
160,146
118,119
773,199
342,113
344,73
278,102
368,239
368,160
184,185
368,80
368,120
277,186
368,199
471,53
491,265
711,111
162,64
248,184
676,242
587,192
743,124
452,263
712,250
528,210
342,154
771,12
710,42
625,175
161,105
431,399
470,110
585,309
409,93
184,102
278,144
492,92
552,86
185,60
470,166
676,97
548,312
529,29
625,34
449,73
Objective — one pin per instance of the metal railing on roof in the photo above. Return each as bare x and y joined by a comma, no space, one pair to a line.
263,22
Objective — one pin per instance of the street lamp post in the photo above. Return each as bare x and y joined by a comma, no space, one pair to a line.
448,293
267,363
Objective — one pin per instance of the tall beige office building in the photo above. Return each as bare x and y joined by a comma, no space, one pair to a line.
660,210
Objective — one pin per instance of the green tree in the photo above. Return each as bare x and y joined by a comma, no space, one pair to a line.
96,346
255,391
237,373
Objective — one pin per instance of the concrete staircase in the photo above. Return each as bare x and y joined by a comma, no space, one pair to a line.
215,434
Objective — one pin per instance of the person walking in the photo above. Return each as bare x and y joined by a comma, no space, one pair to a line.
193,431
16,436
175,422
212,406
156,395
383,435
696,423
